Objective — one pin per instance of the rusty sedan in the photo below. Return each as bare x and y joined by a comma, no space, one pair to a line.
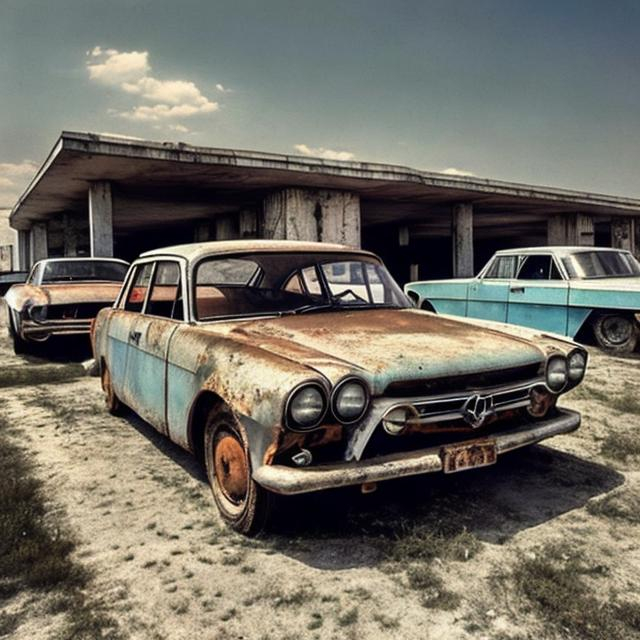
295,367
61,296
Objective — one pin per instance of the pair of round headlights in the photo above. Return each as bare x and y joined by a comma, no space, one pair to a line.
566,372
308,404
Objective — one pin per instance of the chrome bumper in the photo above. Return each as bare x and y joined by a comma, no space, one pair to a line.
42,330
292,480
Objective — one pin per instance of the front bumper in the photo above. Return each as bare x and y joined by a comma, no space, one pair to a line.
40,331
291,480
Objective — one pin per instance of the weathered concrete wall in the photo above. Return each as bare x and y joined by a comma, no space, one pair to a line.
8,243
574,229
623,233
313,215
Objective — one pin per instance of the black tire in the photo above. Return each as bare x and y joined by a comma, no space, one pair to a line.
616,333
112,402
243,503
20,346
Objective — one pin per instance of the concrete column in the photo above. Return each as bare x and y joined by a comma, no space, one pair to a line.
101,220
226,228
623,233
23,250
462,238
313,215
556,231
248,224
39,247
70,231
202,232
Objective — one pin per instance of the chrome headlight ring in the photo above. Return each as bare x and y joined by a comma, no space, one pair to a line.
306,406
350,400
577,366
557,373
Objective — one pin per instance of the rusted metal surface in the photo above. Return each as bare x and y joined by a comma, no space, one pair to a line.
231,468
288,481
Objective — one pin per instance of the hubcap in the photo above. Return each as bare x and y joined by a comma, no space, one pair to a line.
617,330
231,468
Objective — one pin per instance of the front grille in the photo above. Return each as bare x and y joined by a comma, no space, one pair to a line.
80,311
512,376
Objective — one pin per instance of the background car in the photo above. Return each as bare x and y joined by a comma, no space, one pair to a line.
294,367
61,296
566,290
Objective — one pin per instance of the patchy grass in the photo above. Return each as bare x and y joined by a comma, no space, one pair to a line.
554,581
22,374
434,595
623,505
628,402
35,554
620,446
348,617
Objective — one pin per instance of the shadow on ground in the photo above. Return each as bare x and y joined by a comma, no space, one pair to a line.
343,528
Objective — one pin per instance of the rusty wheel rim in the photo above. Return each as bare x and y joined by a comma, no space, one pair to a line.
617,329
231,468
108,390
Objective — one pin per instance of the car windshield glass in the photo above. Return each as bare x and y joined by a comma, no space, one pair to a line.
265,284
601,264
66,271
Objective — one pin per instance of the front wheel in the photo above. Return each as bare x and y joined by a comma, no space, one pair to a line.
114,406
243,503
616,332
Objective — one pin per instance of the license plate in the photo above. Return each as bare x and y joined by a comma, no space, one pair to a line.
468,456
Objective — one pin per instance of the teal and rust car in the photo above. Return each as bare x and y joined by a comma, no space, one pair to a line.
291,367
579,292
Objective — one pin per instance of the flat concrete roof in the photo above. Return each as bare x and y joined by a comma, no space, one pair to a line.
154,181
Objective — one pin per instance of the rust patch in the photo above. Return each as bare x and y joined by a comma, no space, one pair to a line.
231,468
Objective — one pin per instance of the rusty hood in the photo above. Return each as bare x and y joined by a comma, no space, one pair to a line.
388,345
23,295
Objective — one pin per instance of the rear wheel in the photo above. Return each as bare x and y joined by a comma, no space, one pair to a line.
20,346
616,332
243,503
114,406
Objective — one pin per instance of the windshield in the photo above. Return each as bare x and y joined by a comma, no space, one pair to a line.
601,264
68,271
265,284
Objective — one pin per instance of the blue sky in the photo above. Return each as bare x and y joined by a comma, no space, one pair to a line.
540,92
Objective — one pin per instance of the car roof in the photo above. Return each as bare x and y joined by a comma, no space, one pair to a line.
83,259
198,249
559,251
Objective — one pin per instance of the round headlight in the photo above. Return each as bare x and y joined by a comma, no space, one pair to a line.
307,407
557,373
577,366
38,314
350,400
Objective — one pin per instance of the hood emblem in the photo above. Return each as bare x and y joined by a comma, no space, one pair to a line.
477,409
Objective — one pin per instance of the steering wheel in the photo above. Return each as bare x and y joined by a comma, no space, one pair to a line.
342,294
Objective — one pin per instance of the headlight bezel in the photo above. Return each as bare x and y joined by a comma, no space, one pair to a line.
335,393
552,359
573,381
290,422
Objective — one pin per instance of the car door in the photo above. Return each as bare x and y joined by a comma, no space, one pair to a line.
121,326
538,295
488,294
161,315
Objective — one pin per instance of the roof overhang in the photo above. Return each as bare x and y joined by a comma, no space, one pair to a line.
162,171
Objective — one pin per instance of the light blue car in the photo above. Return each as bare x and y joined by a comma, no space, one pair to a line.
572,291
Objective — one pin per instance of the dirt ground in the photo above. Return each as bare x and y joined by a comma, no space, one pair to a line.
459,556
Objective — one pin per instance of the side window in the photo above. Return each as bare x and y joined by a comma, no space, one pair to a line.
555,274
535,268
138,291
502,268
311,282
165,299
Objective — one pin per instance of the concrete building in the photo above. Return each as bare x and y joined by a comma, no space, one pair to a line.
104,195
8,254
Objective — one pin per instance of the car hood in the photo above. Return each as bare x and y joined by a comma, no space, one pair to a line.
20,296
388,345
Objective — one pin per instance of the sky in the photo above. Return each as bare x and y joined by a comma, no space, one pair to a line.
541,92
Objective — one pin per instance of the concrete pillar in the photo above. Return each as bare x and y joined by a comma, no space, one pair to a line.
39,247
623,233
202,232
462,238
101,220
70,230
313,215
248,224
226,228
23,250
573,229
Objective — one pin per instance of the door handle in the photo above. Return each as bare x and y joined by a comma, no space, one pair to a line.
134,336
516,289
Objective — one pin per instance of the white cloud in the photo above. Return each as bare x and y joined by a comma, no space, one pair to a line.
179,128
222,89
452,171
129,71
14,177
321,152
